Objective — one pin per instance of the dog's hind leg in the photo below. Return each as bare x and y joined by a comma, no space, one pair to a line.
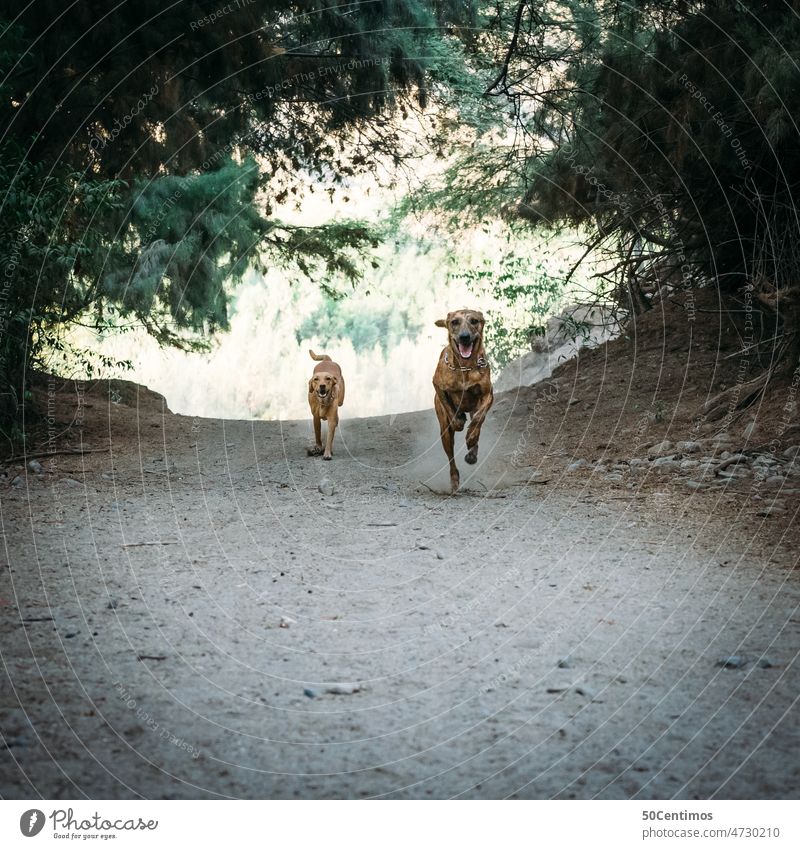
475,425
341,391
447,435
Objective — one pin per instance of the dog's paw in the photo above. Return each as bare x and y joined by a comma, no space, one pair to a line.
459,421
471,456
314,451
327,456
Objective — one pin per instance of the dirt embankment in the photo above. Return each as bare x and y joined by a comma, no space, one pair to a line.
187,610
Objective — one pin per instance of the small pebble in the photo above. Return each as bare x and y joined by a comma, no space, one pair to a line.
344,689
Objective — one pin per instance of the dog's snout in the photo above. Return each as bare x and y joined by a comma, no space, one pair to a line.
465,336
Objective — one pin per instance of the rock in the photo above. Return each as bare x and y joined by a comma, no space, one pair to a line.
666,462
326,486
733,470
17,481
688,447
774,482
35,466
440,555
310,692
764,460
565,334
689,464
404,502
725,455
578,464
287,622
792,451
584,691
71,483
614,478
766,663
695,484
734,661
565,663
660,449
749,430
344,689
771,510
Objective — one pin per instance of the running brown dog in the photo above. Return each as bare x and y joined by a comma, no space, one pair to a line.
325,396
463,385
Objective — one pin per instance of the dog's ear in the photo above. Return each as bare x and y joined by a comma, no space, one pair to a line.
441,322
311,385
335,379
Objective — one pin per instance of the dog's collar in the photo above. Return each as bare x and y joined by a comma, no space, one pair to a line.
479,364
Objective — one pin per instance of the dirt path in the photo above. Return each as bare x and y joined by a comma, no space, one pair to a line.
546,640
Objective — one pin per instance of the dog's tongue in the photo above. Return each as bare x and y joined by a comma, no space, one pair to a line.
465,350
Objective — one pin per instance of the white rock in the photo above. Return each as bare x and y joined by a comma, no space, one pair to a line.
557,345
660,449
688,447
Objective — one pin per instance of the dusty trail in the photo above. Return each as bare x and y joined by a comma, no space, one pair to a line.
517,640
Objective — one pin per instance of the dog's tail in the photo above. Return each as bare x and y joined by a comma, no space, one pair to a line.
318,357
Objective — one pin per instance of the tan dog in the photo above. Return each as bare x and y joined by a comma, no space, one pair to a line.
463,385
325,396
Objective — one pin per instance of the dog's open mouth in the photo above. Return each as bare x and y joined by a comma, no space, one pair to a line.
465,350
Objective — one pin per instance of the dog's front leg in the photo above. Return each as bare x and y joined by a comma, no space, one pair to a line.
317,435
446,432
333,420
475,425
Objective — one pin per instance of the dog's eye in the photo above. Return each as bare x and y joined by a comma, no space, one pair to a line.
474,322
454,322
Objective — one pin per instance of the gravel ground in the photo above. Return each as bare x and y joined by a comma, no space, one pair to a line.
185,613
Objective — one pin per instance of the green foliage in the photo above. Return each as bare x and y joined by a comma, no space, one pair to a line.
364,325
666,130
528,294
